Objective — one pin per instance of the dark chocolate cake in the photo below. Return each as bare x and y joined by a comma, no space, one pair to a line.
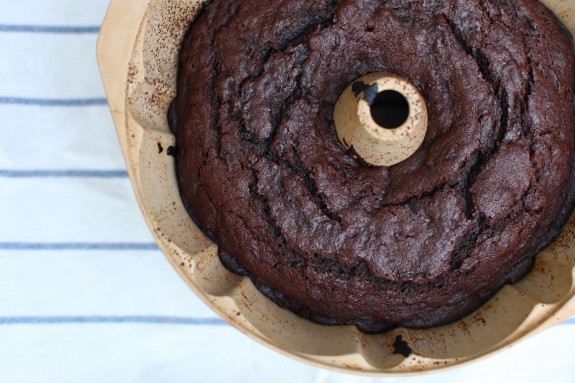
418,244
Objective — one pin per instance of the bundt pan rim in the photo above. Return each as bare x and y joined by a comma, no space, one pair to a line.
137,54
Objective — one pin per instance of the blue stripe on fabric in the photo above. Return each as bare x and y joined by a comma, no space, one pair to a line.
72,173
53,102
570,321
43,320
49,28
77,246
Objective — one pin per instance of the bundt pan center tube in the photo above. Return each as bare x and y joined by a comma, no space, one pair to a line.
382,117
138,53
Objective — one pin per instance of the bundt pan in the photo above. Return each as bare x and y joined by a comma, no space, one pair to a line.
137,52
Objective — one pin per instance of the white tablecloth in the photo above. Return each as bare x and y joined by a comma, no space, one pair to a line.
85,296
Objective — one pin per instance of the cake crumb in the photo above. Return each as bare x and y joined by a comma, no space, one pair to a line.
400,347
172,151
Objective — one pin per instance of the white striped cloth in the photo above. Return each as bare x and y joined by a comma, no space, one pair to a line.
85,296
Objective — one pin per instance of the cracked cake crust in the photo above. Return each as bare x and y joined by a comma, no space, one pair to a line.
419,244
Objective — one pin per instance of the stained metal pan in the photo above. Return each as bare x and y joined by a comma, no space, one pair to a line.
137,53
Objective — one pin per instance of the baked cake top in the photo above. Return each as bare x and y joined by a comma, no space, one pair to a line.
418,244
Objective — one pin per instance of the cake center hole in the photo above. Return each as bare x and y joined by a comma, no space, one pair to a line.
390,109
